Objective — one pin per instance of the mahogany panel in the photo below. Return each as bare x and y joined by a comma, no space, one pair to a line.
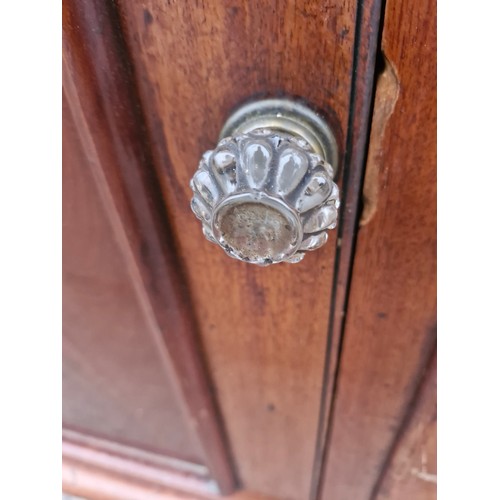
411,471
391,315
100,86
264,330
114,383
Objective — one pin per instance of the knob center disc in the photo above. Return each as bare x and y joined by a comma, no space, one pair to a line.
257,229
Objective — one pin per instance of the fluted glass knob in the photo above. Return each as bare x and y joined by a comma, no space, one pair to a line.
266,193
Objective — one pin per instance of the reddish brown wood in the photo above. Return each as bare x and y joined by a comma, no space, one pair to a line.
114,383
390,324
411,469
271,336
264,330
100,88
365,52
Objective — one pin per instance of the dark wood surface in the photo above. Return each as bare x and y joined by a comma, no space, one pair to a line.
265,331
363,73
411,468
99,85
391,317
247,374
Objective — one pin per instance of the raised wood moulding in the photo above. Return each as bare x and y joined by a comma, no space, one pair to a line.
114,458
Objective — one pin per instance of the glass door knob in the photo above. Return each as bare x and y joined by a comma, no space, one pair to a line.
266,193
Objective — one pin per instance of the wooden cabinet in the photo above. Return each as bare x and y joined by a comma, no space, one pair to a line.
187,374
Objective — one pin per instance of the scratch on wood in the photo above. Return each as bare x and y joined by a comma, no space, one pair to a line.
425,476
423,473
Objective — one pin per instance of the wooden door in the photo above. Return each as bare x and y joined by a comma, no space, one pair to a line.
188,374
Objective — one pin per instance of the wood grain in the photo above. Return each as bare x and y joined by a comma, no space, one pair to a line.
266,333
363,72
99,84
411,471
391,318
114,383
264,330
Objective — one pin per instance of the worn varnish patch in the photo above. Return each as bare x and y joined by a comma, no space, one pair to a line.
386,96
